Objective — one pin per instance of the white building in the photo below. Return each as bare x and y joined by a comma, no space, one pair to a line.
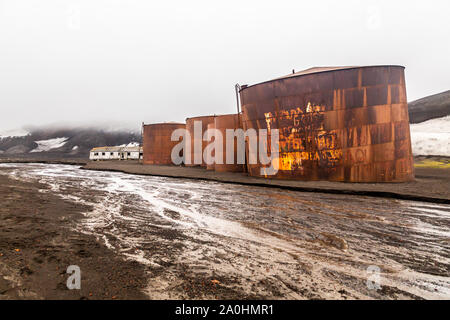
116,153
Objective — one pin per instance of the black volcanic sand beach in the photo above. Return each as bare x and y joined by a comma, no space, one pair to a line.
37,244
145,237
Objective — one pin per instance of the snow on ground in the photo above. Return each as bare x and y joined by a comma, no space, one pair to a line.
431,137
13,133
46,145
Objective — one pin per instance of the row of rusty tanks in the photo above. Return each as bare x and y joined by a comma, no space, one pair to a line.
346,124
339,124
158,145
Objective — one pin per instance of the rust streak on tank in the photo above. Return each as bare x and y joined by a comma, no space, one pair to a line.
157,144
222,123
190,122
210,166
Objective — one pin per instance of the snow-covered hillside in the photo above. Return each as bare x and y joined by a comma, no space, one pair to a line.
431,137
55,142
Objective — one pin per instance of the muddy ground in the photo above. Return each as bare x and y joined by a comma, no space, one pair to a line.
143,237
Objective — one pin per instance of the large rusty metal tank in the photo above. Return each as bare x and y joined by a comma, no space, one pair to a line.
157,144
210,165
190,122
336,123
222,123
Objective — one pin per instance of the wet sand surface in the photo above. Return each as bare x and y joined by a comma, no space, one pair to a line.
165,238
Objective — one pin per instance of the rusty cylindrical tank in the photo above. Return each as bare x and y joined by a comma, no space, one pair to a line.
211,126
157,144
190,122
340,123
222,123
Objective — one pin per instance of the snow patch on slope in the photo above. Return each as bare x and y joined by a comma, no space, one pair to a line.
46,145
431,138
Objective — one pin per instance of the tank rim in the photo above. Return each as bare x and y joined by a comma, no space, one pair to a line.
200,117
163,123
323,71
227,114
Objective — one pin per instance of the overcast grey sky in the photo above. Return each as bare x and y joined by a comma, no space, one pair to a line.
128,61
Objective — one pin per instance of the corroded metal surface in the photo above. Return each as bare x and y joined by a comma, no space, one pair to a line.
348,124
157,144
205,120
210,166
222,123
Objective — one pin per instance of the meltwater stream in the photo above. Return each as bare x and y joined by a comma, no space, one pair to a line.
259,242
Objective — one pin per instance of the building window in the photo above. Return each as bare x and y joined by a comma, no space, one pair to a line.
95,153
103,153
111,153
128,154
